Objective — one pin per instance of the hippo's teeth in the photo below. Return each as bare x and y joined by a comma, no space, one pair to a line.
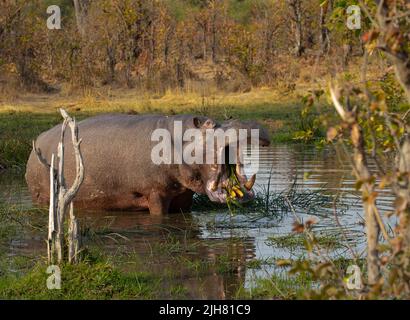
249,184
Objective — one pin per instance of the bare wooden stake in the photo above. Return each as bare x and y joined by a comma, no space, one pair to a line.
74,240
51,215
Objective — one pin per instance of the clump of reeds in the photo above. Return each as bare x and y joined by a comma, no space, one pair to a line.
270,203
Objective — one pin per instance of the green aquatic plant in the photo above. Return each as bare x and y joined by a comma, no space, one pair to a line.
296,240
279,285
270,203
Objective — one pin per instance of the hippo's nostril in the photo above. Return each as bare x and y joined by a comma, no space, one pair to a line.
195,178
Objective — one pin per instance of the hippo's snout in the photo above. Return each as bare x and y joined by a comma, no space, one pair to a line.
230,182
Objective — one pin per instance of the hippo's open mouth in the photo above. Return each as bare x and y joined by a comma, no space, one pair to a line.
230,182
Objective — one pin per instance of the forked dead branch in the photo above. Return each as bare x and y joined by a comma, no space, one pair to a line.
61,197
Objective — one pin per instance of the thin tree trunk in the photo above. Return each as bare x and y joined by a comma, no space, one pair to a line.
324,31
111,62
81,10
214,31
296,7
363,175
372,226
204,42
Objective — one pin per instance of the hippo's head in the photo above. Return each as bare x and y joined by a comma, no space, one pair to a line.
218,178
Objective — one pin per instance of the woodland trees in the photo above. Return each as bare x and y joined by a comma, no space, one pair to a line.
153,44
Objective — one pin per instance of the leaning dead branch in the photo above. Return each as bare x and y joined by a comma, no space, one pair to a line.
363,174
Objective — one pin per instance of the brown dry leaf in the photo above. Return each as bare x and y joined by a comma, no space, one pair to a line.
310,222
283,262
366,36
384,260
355,134
400,204
385,181
396,243
372,197
298,227
331,133
370,36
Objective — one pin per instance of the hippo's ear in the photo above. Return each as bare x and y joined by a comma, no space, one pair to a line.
264,136
203,123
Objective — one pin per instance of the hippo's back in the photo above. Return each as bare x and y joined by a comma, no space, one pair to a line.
116,149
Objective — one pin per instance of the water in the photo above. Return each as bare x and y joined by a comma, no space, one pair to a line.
182,244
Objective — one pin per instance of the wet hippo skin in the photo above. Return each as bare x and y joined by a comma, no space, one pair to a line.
119,172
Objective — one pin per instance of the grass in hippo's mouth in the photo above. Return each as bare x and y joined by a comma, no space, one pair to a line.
233,188
271,203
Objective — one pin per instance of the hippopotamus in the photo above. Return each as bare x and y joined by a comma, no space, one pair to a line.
120,173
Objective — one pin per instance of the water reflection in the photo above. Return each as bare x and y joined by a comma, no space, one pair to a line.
209,252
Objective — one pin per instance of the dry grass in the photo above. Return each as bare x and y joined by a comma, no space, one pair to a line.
206,99
122,100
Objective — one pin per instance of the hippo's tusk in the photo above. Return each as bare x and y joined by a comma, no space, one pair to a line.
238,169
249,184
